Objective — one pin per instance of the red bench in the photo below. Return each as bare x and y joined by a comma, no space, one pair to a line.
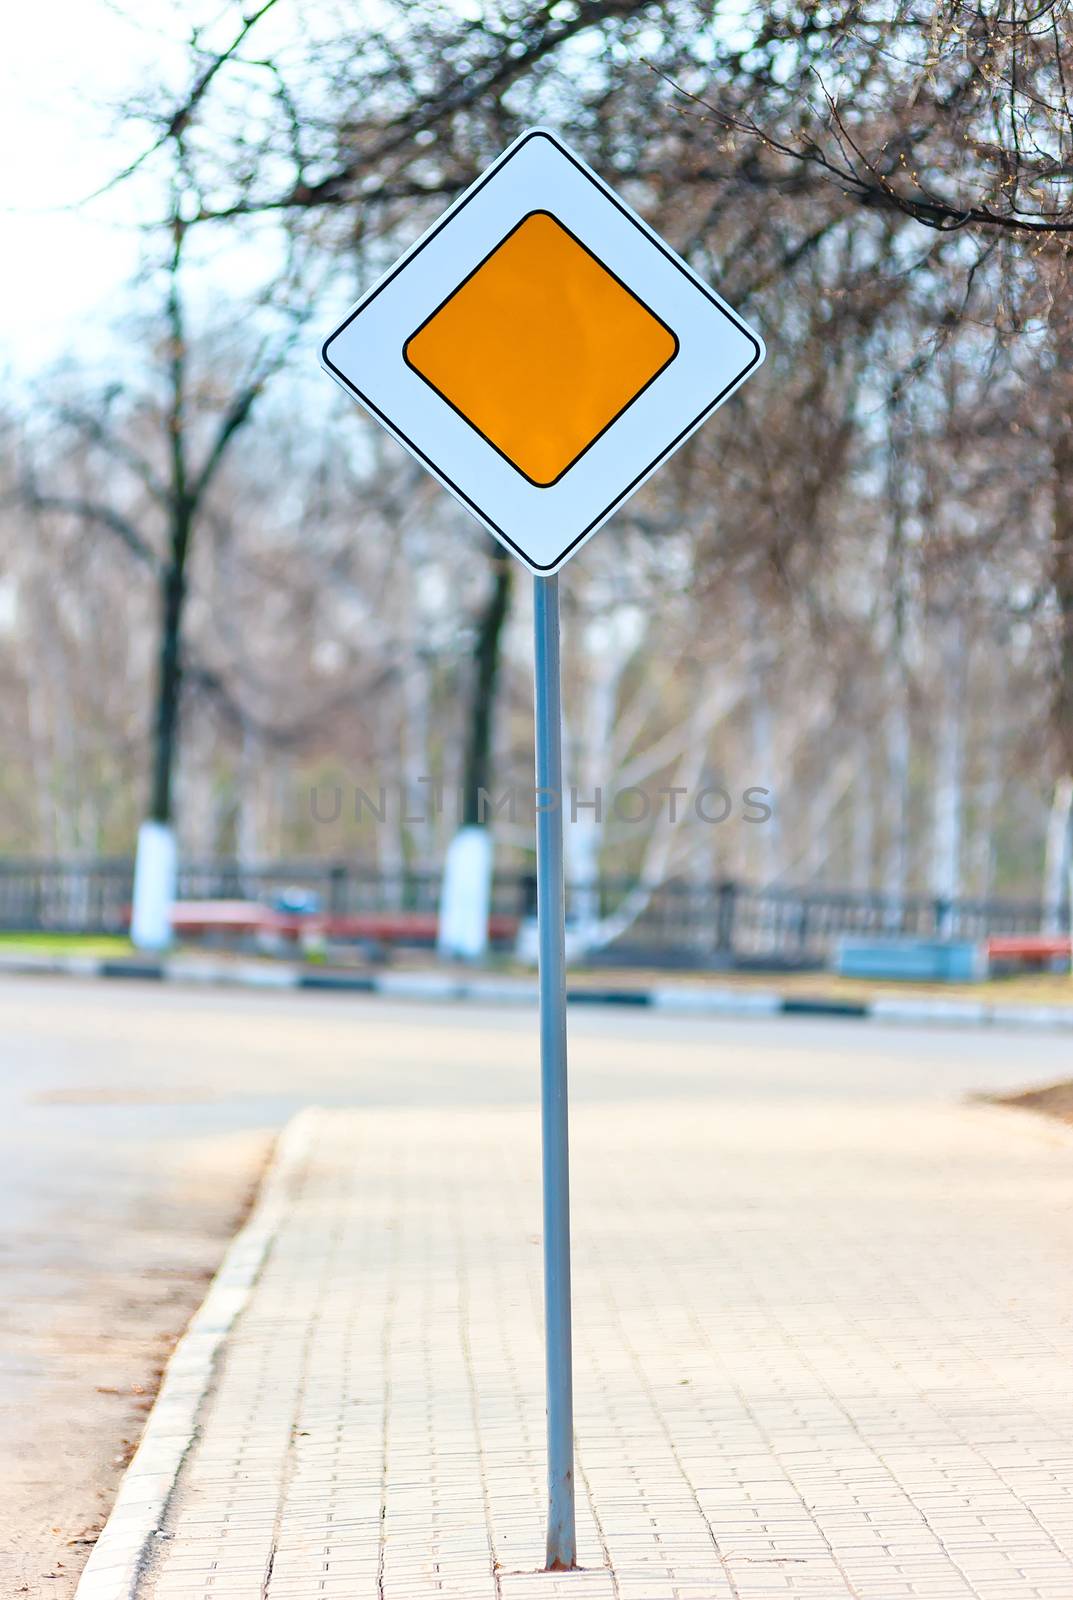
196,918
1028,949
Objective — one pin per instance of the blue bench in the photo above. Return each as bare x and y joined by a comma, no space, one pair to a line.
922,960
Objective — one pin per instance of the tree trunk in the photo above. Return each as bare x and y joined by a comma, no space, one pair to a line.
477,771
248,840
988,794
416,762
767,842
169,678
1056,855
949,769
597,678
897,739
863,821
1062,557
1060,409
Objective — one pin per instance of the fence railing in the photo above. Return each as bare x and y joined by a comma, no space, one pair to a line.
705,922
65,896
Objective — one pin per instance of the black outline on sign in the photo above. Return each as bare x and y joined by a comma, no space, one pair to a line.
537,483
438,472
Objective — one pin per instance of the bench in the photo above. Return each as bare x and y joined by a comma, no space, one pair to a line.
911,960
1011,950
248,918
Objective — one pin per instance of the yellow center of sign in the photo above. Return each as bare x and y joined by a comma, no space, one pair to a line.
541,348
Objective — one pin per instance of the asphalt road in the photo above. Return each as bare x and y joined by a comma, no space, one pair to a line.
134,1120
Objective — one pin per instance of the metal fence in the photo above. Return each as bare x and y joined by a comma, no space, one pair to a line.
729,921
65,896
703,923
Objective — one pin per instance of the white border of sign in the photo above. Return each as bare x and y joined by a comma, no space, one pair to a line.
543,526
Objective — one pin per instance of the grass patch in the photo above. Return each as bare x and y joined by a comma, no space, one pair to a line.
65,944
1026,989
1029,989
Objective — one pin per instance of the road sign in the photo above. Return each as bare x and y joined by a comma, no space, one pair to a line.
541,351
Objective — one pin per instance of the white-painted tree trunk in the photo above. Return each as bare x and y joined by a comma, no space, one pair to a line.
862,843
415,745
898,748
248,833
982,849
809,860
388,830
49,816
155,880
606,652
1057,858
949,770
415,735
466,896
709,708
767,840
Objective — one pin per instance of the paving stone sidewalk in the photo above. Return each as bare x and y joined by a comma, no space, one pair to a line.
820,1351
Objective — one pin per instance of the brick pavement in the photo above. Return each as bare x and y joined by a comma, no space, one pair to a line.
822,1349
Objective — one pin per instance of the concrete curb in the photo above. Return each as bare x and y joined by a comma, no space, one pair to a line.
120,1556
695,999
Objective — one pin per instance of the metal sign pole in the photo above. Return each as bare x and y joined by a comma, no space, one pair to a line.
436,359
551,913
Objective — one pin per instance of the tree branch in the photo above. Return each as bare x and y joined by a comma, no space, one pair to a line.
180,118
104,516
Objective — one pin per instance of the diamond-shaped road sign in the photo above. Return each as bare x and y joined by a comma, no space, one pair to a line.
541,350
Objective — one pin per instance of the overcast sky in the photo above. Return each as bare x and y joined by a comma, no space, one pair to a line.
63,65
64,68
66,65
